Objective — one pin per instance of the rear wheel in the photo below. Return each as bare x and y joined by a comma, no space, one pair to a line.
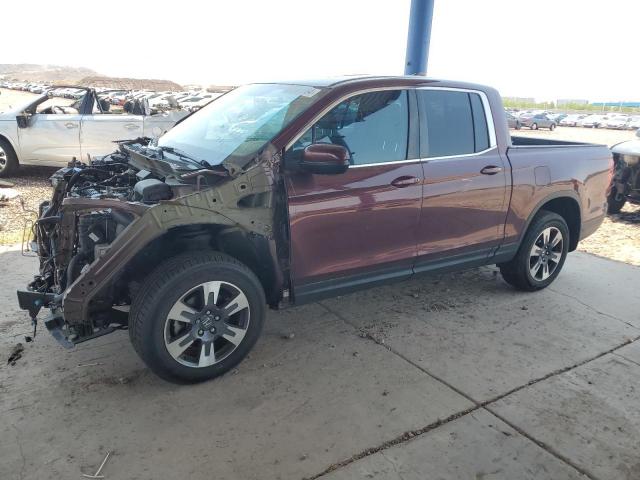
541,254
552,127
197,316
615,202
518,125
534,126
8,159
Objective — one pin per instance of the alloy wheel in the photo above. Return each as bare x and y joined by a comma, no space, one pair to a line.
546,253
3,159
206,324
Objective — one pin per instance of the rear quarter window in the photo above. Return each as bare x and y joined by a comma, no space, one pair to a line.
480,128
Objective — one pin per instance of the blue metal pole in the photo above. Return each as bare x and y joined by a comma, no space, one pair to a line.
418,37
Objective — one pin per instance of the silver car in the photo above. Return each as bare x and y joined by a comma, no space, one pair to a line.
540,120
49,131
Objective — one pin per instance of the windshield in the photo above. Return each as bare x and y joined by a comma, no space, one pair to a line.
239,123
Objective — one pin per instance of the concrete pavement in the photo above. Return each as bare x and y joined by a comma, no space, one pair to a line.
456,376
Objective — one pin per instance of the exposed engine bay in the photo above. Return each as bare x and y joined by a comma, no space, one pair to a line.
111,220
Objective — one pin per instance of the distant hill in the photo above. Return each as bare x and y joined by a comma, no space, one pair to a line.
129,83
44,73
56,74
219,88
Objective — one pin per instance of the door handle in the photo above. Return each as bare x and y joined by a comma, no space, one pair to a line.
490,170
71,125
131,126
405,181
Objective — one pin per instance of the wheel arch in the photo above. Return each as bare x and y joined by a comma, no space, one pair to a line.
255,251
567,205
10,143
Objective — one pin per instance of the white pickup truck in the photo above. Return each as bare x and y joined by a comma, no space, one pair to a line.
50,131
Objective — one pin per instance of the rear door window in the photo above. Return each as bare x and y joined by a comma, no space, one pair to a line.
451,123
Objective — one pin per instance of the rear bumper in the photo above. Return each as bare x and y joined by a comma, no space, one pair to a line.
590,226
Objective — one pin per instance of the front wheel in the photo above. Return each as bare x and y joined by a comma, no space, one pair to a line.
541,254
197,316
534,126
552,127
8,159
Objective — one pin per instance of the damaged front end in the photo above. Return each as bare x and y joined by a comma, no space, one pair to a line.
109,223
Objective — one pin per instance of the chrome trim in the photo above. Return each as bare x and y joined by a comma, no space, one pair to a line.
397,162
425,159
576,144
462,155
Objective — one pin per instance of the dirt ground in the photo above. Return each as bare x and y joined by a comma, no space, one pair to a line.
33,185
618,238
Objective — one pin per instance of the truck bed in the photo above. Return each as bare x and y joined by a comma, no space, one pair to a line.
542,142
547,142
542,168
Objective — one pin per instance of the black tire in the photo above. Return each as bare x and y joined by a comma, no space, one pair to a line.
517,272
165,286
534,126
614,206
8,159
552,127
518,126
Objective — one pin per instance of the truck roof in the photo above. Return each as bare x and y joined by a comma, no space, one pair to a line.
373,81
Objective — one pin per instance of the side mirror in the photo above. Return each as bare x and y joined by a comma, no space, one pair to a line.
23,120
325,159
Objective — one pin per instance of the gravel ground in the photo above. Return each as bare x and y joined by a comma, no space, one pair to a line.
618,238
34,187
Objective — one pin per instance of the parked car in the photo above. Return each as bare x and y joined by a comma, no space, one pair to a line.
540,120
572,120
198,101
557,117
285,193
634,124
593,121
49,133
625,185
513,121
618,122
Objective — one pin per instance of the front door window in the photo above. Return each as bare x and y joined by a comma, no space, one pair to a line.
372,126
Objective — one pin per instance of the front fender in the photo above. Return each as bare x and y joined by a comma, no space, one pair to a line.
216,206
9,132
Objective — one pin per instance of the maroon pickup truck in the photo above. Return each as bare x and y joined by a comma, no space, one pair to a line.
286,193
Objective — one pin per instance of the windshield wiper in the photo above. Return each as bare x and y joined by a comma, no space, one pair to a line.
184,155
